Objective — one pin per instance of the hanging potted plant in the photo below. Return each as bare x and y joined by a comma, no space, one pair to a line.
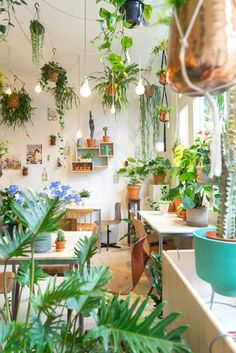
135,172
105,137
158,167
162,76
60,241
53,140
136,12
37,32
162,112
16,109
54,80
209,63
215,248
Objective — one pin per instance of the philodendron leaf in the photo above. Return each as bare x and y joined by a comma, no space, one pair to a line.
126,42
23,273
188,202
148,10
16,245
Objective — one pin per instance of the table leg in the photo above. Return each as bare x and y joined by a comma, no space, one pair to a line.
160,244
100,228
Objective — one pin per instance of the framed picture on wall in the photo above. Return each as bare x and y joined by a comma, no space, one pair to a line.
33,154
11,163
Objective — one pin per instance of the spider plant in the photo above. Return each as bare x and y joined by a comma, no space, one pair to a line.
37,32
120,326
120,83
64,95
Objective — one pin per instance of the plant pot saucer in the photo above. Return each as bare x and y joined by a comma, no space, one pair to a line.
211,234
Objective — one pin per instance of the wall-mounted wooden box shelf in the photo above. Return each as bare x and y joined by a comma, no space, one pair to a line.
106,149
82,166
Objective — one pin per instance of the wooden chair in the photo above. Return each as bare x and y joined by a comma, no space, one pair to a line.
71,225
151,238
140,232
108,223
10,281
124,281
84,219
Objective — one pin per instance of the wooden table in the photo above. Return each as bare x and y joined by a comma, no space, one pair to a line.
168,224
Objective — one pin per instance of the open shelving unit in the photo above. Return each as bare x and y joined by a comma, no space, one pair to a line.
100,158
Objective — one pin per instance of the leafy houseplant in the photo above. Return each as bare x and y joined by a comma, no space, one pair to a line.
64,95
16,109
162,76
119,82
162,112
165,200
163,45
7,196
25,171
37,32
105,137
158,167
60,241
87,155
118,323
135,172
85,194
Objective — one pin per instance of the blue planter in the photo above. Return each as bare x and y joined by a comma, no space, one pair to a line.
43,243
133,12
215,262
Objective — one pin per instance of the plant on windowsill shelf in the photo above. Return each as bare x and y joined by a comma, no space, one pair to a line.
135,172
105,137
158,167
162,112
60,241
16,109
86,157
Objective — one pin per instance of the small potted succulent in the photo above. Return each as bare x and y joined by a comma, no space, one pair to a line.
105,137
162,112
60,241
25,171
53,140
84,196
158,167
162,76
91,142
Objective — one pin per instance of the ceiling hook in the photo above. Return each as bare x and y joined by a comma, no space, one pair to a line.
54,51
36,5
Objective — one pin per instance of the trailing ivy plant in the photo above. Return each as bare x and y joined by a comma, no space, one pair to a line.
54,80
19,113
113,87
7,8
37,32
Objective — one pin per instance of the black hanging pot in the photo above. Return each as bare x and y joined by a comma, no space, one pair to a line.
133,13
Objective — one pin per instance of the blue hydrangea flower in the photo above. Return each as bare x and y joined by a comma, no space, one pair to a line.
55,184
13,189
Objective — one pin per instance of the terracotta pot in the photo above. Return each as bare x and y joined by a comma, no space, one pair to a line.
164,116
210,55
60,245
148,91
112,88
171,207
133,192
91,142
162,78
106,138
25,173
159,179
53,77
13,101
212,234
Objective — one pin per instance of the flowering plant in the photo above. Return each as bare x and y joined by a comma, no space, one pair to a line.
64,193
7,197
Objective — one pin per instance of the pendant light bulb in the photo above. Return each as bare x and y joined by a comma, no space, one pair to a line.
78,134
38,88
113,109
140,89
8,90
85,90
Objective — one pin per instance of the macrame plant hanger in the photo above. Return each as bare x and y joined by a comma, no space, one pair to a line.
164,99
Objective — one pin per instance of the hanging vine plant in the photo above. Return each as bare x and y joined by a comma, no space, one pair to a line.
16,108
113,89
54,80
37,32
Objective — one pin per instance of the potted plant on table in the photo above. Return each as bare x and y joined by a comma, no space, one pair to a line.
158,167
162,112
84,195
165,200
60,241
135,172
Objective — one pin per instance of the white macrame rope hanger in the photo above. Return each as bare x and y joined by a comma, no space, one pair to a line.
216,162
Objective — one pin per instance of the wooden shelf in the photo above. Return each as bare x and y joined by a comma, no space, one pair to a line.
106,149
82,167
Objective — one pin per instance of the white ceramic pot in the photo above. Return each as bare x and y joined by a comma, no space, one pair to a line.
164,207
85,201
197,217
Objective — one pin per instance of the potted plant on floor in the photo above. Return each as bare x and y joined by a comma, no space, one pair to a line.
60,241
135,172
82,292
53,140
85,195
162,112
215,248
16,108
158,167
162,76
105,138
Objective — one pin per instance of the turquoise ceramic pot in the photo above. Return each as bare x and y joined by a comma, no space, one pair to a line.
215,262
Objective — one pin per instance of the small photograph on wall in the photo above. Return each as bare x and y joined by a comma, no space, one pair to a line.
52,114
11,164
33,154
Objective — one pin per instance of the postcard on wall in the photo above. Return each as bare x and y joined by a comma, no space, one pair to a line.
11,163
33,154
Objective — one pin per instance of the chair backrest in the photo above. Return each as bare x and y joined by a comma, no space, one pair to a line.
138,260
70,224
84,216
118,212
10,278
141,232
132,215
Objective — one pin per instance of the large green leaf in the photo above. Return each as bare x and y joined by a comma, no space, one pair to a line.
85,249
126,328
23,273
17,245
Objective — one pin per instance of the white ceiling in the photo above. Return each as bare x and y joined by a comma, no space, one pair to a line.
64,32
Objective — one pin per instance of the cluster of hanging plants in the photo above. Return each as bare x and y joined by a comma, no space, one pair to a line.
54,80
16,108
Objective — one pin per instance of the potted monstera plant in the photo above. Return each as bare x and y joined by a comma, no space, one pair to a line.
135,172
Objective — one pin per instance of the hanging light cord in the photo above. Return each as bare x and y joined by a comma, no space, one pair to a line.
85,37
